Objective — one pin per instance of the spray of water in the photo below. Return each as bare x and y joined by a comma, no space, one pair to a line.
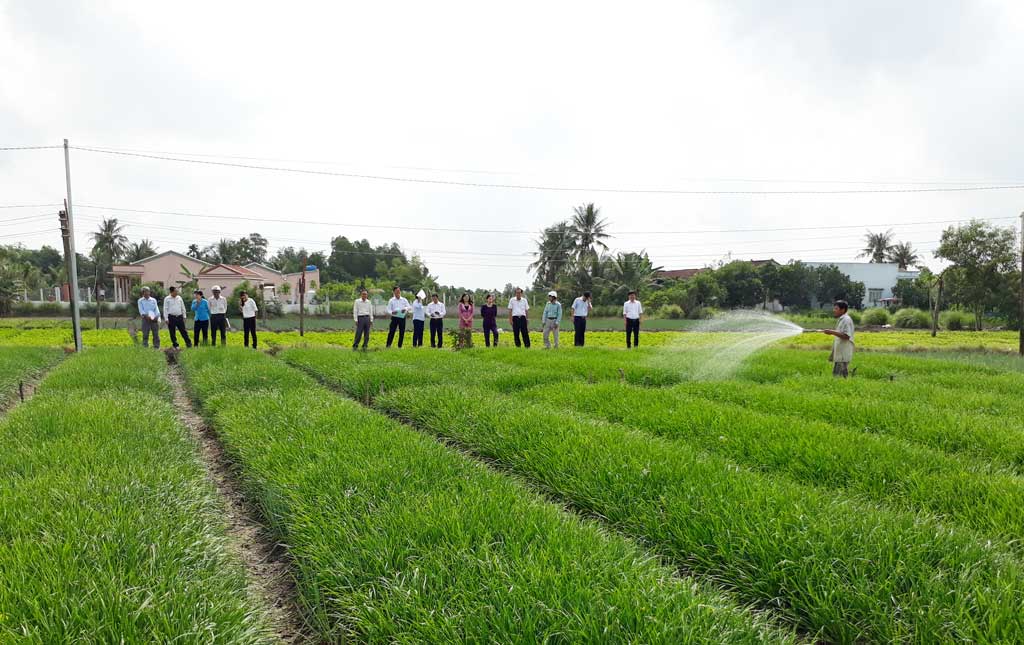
751,331
706,354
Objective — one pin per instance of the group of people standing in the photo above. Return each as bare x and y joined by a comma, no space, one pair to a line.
209,316
399,308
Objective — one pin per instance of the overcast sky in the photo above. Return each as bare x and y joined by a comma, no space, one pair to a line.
688,96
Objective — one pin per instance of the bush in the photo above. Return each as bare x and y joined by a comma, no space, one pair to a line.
876,316
910,318
855,316
956,320
460,338
672,312
607,311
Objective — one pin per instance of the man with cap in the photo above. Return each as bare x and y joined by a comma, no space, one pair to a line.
174,314
218,317
552,318
149,312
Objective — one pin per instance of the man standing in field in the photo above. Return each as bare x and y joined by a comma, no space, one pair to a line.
149,312
552,318
436,312
249,309
517,310
362,315
218,317
398,307
174,314
842,343
632,310
581,308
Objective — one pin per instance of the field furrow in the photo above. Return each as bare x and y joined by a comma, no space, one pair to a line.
397,538
21,366
109,531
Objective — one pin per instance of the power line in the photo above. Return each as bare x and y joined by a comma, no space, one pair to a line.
30,148
525,232
575,189
31,233
17,220
30,205
109,148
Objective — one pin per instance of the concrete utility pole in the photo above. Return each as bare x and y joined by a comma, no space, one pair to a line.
302,298
1020,314
68,232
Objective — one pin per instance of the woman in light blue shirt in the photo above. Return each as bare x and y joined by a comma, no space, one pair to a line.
201,322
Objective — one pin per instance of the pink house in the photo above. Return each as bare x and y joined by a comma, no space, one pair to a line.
166,269
162,268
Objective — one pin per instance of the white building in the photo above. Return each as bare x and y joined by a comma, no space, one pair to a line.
879,278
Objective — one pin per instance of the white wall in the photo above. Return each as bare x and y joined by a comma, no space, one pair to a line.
875,275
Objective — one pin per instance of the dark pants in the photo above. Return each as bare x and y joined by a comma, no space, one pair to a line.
249,327
363,325
521,328
200,327
417,333
437,331
490,328
176,324
150,326
633,327
397,322
579,323
218,322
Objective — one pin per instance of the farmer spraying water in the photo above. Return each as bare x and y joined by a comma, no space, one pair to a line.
842,343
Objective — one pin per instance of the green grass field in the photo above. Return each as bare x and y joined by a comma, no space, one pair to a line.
700,489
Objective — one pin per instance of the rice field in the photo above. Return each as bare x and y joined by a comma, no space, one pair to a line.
691,491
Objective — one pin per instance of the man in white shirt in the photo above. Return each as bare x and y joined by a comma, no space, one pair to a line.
581,307
842,343
249,309
517,318
218,317
398,307
149,313
174,314
362,315
436,312
419,316
632,310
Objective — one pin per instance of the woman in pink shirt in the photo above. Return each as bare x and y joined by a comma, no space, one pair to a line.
466,311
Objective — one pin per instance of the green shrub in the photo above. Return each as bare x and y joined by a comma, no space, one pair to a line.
672,312
855,316
910,318
877,316
956,320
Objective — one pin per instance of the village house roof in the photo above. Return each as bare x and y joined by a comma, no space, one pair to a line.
232,268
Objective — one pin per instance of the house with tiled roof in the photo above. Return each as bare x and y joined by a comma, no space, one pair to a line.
163,269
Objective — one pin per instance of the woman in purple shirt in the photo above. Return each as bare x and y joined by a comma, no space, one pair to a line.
489,313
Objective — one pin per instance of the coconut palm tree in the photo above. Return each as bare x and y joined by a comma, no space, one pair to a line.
140,250
588,231
877,246
629,272
555,249
903,254
109,244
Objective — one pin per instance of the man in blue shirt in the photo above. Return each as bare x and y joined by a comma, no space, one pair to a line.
580,310
149,312
552,318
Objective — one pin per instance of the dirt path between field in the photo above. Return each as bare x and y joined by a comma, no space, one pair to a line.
266,561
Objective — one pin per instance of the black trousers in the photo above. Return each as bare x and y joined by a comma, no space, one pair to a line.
437,331
397,322
249,327
490,328
521,328
176,324
363,325
218,322
417,333
633,326
200,327
579,324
